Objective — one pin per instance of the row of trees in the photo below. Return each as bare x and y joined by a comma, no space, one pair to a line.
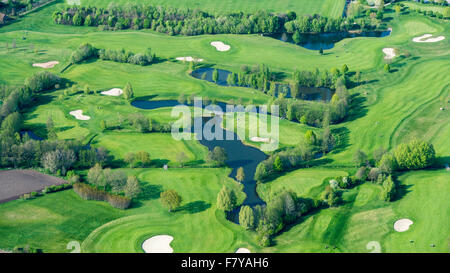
86,51
175,21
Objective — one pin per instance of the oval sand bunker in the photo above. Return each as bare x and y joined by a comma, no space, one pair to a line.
78,114
188,59
46,65
220,46
243,250
158,244
402,225
113,92
426,39
389,52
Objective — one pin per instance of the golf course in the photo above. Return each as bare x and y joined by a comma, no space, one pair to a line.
352,155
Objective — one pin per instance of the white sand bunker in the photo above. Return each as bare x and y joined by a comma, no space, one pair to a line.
46,65
426,39
220,46
389,52
158,244
78,114
260,139
402,225
243,250
189,59
113,92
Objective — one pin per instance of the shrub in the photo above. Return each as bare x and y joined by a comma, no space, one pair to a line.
118,201
414,155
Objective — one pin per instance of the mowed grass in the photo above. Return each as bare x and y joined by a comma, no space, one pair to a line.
196,226
426,193
300,181
52,221
363,219
161,146
331,8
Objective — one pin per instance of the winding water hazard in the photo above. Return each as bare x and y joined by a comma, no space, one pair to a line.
205,124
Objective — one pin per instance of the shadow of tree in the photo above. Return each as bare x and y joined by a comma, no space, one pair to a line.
195,207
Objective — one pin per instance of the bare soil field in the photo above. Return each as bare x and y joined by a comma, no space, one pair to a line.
14,183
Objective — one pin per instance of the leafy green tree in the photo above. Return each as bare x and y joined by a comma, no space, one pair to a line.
240,175
50,126
246,217
96,176
128,92
170,199
226,199
387,68
344,69
103,125
297,38
86,90
414,155
388,189
278,164
215,75
218,155
359,158
132,188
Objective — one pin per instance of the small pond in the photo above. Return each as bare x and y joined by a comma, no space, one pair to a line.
317,41
306,93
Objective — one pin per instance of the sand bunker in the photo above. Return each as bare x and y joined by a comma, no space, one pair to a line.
389,52
402,225
158,244
188,59
260,139
426,39
243,250
220,46
46,65
78,114
113,92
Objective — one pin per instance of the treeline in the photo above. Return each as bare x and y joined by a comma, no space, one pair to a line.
190,22
87,51
138,122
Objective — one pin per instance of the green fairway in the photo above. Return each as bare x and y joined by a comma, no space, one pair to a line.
301,182
161,146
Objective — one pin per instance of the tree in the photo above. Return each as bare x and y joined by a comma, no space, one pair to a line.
58,160
344,69
128,93
359,158
170,199
297,38
132,188
388,189
321,51
181,158
218,155
331,196
387,163
246,217
387,68
215,75
143,158
181,99
361,174
311,137
103,125
414,155
226,199
240,175
96,177
86,90
278,164
130,159
51,134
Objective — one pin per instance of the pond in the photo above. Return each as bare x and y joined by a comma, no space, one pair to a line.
305,93
238,155
317,41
